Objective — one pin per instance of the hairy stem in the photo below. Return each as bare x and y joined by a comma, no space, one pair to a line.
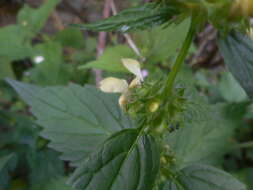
181,57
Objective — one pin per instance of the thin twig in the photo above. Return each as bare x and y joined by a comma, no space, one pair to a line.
102,41
127,36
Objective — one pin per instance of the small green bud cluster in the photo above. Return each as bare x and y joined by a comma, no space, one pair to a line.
149,105
167,162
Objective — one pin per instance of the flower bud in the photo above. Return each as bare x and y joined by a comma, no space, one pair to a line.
153,106
163,160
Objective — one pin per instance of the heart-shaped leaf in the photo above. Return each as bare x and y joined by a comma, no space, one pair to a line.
75,119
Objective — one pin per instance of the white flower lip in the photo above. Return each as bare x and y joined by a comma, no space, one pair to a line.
113,85
133,66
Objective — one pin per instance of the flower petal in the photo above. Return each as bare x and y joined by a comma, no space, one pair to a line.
122,101
113,85
135,83
133,66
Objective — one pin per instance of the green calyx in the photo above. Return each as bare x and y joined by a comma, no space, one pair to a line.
155,111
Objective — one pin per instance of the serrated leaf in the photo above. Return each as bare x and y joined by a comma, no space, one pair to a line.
202,141
111,59
237,50
127,161
140,17
75,119
204,177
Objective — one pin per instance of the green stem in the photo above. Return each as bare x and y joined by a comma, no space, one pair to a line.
170,176
181,57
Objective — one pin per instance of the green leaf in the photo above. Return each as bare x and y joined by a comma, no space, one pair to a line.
50,71
7,163
59,184
15,39
160,43
246,175
111,59
237,50
127,161
6,69
202,141
230,89
204,177
71,37
4,161
32,20
13,43
44,166
56,184
75,119
20,130
140,17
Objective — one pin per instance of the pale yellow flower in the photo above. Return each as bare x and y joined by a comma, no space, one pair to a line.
115,85
134,67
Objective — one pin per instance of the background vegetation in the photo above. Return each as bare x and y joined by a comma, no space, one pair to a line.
38,46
